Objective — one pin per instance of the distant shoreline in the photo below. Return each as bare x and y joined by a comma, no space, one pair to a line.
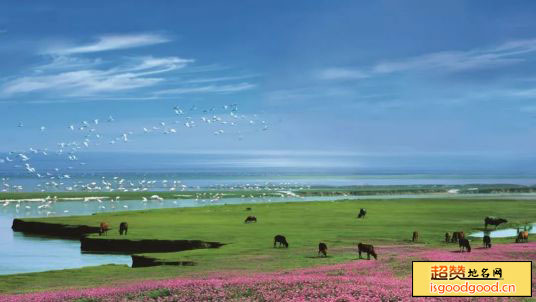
273,191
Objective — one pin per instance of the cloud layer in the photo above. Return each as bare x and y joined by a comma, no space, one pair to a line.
445,61
84,82
73,71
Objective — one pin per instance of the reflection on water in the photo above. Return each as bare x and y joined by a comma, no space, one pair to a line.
21,253
502,233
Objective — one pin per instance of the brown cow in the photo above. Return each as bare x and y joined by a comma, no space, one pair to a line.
522,237
366,248
456,236
104,227
415,236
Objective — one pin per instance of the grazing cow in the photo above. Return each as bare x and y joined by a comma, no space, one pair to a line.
456,236
366,248
104,227
250,219
281,239
487,241
522,236
493,221
415,236
362,213
123,228
447,237
323,249
248,209
464,244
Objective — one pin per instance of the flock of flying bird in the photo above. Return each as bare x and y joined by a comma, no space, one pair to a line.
89,133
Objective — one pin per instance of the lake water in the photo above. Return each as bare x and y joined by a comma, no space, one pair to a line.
206,170
22,253
195,181
502,233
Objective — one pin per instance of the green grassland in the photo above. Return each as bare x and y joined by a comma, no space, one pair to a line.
249,247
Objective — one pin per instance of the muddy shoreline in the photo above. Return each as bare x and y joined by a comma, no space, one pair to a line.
123,246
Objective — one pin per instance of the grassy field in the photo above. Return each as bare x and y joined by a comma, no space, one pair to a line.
249,246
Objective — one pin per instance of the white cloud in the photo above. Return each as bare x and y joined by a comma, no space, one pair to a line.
67,62
110,42
151,65
528,109
445,61
504,54
85,82
70,73
82,82
528,93
217,79
341,74
309,93
209,89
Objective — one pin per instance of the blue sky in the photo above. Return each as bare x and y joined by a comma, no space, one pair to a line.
326,77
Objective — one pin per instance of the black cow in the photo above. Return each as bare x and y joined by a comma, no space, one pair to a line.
464,244
323,249
415,236
281,239
250,219
487,241
366,248
123,228
362,213
493,221
447,237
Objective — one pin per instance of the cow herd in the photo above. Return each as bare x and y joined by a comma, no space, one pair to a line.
459,237
105,227
322,247
455,237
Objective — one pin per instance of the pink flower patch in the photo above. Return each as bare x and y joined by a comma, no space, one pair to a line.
348,282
